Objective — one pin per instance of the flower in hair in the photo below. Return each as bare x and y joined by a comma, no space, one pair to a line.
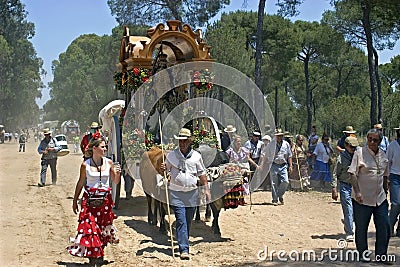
96,135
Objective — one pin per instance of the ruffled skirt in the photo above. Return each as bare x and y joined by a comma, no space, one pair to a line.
321,172
95,228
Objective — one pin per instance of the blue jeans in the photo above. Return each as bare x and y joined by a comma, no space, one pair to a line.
44,164
362,217
184,209
394,189
347,207
279,180
184,217
395,202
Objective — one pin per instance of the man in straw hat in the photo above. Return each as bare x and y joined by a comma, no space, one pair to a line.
227,136
393,154
185,165
48,148
349,131
279,169
385,141
341,175
94,128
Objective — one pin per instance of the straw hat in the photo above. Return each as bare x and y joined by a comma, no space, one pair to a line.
266,137
351,141
279,131
183,134
378,126
230,129
95,125
287,135
349,130
47,131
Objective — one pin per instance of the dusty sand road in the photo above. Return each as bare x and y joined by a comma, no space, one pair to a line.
37,222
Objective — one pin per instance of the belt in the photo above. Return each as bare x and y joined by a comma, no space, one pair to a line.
344,182
279,164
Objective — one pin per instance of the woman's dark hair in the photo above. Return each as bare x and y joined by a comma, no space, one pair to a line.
93,142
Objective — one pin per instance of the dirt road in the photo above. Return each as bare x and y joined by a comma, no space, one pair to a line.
37,223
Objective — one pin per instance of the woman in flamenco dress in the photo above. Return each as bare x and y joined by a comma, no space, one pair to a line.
95,221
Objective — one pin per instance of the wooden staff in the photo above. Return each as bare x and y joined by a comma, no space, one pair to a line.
166,191
298,168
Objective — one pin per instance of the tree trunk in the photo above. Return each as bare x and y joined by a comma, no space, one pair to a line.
379,86
276,107
258,55
371,65
259,39
308,94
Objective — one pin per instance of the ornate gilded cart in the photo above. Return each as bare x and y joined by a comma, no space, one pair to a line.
140,57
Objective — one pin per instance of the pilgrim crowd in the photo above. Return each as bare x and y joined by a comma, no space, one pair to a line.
363,177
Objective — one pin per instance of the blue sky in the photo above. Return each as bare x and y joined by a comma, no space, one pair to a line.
59,22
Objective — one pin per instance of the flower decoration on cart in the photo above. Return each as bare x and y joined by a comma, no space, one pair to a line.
131,80
136,143
204,136
202,80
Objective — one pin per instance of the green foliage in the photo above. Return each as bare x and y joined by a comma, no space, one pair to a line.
373,24
20,68
390,73
83,80
131,80
392,110
342,111
193,12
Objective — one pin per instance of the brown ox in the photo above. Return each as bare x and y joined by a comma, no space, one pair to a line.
149,168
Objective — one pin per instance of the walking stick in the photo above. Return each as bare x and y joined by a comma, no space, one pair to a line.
298,169
166,192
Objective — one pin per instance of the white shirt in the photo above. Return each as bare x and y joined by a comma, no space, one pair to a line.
184,171
369,168
393,154
283,152
93,177
384,144
322,152
255,150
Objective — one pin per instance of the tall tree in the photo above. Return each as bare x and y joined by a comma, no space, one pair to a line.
83,79
374,25
196,13
20,67
259,39
308,35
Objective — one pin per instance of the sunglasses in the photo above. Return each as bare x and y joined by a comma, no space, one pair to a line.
375,140
353,147
106,147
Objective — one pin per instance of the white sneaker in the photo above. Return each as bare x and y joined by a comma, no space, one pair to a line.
349,238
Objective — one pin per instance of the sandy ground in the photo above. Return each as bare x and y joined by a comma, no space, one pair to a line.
37,223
